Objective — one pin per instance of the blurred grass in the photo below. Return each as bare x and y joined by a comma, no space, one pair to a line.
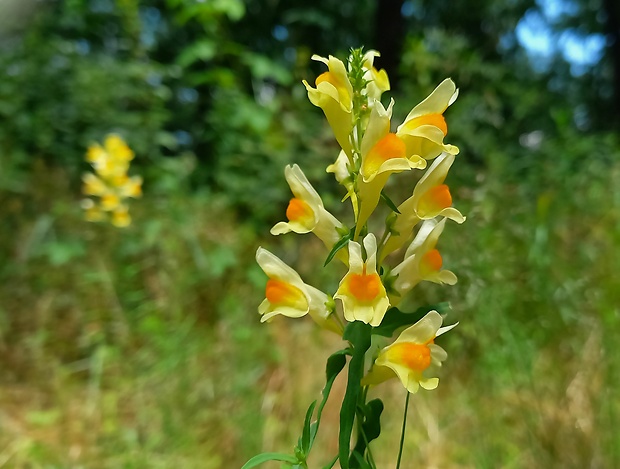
141,348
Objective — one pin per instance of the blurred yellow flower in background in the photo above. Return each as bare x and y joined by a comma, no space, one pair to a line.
110,183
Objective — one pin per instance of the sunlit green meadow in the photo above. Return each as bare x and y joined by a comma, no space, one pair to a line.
142,347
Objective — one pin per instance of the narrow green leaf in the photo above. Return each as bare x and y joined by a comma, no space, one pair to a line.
342,242
331,464
389,202
335,364
395,318
264,457
361,462
306,437
358,334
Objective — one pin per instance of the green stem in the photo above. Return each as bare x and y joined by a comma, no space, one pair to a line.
402,435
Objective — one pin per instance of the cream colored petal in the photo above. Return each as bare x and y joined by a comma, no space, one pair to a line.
370,244
326,231
453,214
446,277
370,193
378,126
408,275
318,58
339,118
393,165
369,58
301,187
340,168
413,385
284,227
364,313
438,354
422,147
356,264
437,102
429,384
336,66
287,311
377,375
275,268
379,309
444,329
434,176
429,132
428,229
423,330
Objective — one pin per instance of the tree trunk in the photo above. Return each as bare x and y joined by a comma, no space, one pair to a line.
389,36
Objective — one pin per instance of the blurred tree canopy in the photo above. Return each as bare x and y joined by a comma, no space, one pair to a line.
215,84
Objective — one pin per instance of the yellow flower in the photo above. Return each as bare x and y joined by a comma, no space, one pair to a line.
431,198
361,291
93,185
422,261
334,94
112,160
288,295
425,127
305,212
117,148
120,217
378,81
413,357
111,182
131,187
110,201
383,153
92,212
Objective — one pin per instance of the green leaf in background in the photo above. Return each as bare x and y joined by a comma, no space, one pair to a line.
358,334
395,318
203,50
265,457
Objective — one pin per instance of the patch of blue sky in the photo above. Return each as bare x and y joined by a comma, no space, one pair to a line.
537,36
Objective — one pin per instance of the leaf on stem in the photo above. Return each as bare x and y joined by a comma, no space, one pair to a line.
358,334
342,242
264,457
335,364
389,203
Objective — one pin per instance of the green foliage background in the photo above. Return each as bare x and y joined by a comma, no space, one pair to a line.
142,348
